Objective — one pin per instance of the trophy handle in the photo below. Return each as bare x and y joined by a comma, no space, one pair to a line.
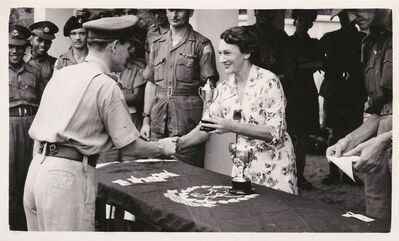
199,92
215,94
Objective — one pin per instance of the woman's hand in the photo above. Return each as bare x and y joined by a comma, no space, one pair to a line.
220,125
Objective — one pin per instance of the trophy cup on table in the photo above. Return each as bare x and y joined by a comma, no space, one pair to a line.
242,158
208,94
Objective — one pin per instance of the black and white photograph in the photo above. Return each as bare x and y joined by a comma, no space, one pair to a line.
149,121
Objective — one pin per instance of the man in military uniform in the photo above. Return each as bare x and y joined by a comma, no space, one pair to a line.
78,36
41,40
159,27
25,91
82,113
275,52
343,87
375,157
180,62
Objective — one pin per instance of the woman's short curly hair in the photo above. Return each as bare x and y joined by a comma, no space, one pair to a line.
244,39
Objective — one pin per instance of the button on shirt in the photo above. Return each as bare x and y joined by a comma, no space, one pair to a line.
84,108
25,87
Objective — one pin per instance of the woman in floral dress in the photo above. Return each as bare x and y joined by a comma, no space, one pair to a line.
250,103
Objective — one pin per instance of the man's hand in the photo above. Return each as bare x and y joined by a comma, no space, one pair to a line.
168,145
145,130
338,148
371,153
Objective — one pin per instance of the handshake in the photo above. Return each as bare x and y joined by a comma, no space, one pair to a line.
168,145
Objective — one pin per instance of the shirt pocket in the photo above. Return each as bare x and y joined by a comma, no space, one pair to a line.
159,69
185,69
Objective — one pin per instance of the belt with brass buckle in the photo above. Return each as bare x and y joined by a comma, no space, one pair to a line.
62,151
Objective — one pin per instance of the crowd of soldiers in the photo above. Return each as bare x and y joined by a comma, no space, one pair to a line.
160,82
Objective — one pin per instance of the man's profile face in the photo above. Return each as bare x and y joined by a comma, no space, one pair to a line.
363,17
78,38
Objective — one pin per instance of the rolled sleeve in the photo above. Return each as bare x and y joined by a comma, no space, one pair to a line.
208,63
117,121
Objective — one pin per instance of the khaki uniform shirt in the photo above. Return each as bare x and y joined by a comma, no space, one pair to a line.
377,62
65,59
178,71
44,64
25,88
84,108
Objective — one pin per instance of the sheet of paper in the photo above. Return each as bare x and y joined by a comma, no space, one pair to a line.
155,160
344,163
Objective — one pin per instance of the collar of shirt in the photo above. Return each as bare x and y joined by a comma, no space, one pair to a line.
188,36
19,70
99,62
29,56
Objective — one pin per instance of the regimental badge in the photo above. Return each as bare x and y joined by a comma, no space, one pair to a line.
14,33
80,20
206,196
46,30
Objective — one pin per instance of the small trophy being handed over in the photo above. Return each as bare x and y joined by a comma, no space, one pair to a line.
242,158
208,94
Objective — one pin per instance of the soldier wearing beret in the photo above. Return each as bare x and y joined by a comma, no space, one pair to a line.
180,62
40,41
373,139
303,105
25,90
159,27
82,113
78,35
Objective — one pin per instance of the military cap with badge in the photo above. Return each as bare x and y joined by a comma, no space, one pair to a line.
44,29
18,35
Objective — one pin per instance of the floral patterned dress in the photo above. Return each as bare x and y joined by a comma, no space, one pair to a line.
273,162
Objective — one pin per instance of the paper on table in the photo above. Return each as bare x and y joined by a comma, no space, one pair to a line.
344,163
155,160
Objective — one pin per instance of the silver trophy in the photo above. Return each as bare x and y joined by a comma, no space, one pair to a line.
242,158
208,94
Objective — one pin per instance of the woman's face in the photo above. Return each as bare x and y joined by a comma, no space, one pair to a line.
231,57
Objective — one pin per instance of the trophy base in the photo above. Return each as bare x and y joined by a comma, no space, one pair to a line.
241,188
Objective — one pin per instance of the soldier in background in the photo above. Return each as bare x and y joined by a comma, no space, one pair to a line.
303,106
25,91
159,27
343,87
78,35
41,40
180,62
275,54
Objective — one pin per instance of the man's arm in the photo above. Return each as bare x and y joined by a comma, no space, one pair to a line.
148,101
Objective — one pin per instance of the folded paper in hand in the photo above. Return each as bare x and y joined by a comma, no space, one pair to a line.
344,163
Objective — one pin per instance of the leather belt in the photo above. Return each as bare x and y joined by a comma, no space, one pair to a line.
177,92
58,150
22,110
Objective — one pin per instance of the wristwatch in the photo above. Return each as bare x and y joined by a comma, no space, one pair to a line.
144,115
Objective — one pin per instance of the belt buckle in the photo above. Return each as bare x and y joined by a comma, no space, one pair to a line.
53,149
170,91
19,111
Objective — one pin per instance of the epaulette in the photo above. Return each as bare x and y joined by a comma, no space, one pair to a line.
200,37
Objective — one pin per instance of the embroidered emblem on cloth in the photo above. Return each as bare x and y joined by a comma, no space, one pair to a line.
206,196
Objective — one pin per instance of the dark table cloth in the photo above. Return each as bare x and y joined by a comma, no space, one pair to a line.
271,211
